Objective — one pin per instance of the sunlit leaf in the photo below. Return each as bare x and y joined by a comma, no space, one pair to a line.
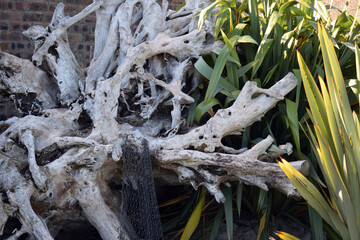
231,48
194,219
286,236
221,18
205,13
312,195
261,225
292,116
247,39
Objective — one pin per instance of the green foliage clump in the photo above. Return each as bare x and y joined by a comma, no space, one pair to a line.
260,41
335,140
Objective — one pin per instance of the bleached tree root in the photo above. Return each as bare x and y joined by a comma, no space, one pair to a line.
61,150
211,169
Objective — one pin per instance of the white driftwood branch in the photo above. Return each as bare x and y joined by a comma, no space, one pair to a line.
172,152
211,169
52,44
58,164
21,74
233,120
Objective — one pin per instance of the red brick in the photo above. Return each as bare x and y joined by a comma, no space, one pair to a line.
48,17
14,36
4,26
6,5
76,37
4,46
52,7
38,7
4,36
32,17
11,16
15,26
75,1
73,9
89,38
20,45
19,6
10,33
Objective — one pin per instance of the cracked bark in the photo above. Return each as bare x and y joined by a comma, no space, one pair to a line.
61,152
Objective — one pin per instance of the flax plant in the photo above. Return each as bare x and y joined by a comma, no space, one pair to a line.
335,137
260,39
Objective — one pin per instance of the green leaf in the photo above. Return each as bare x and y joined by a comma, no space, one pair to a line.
230,58
265,42
292,116
310,193
247,39
238,29
254,19
316,224
180,6
273,20
203,107
286,5
221,18
228,212
205,70
217,222
216,74
191,114
260,55
287,36
205,13
338,91
313,95
321,9
270,74
233,78
238,198
231,48
244,69
194,219
356,88
262,201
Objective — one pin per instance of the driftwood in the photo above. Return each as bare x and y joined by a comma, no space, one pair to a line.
61,151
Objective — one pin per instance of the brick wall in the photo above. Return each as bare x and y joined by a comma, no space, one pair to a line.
18,15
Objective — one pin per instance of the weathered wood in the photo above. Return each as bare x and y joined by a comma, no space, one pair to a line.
60,163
